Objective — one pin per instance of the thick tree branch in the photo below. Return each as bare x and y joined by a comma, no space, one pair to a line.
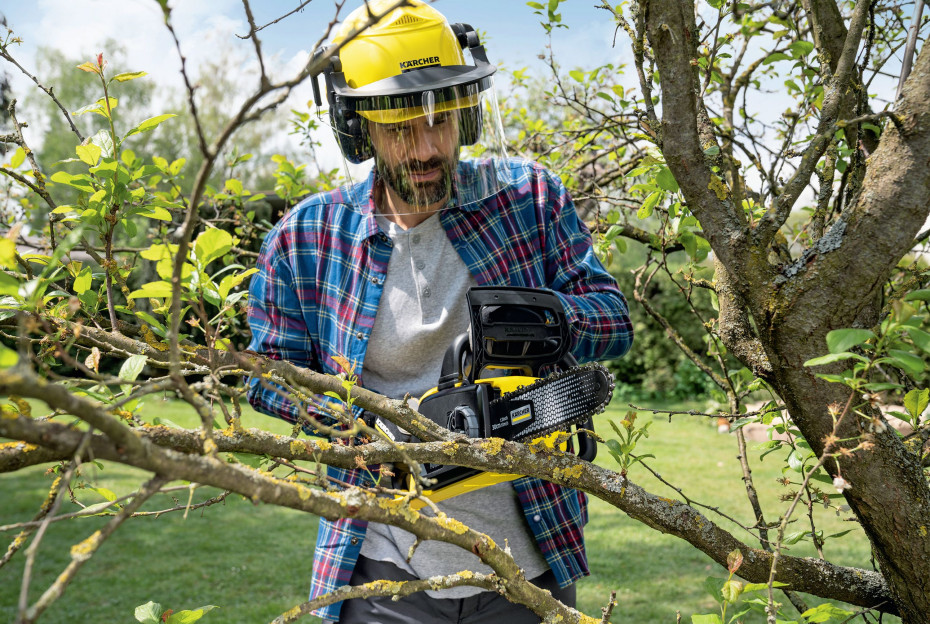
353,502
668,516
673,37
834,95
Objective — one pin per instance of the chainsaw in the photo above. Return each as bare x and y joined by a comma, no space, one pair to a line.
490,386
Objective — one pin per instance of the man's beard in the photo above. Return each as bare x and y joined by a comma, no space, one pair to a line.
417,194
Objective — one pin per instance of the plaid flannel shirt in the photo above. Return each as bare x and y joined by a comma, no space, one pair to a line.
320,280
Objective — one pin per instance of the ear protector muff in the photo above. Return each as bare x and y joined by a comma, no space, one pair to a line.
351,129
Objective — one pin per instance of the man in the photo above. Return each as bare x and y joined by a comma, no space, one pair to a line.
376,273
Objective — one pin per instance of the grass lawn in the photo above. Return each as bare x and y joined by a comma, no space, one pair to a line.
253,561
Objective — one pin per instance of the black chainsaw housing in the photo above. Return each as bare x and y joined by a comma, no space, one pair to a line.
512,330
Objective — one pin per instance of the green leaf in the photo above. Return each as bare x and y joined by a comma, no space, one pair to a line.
801,49
881,386
748,587
710,618
777,56
149,613
535,5
132,367
107,494
921,295
796,460
577,75
649,205
796,537
89,153
103,140
825,613
18,157
128,76
83,281
234,186
77,181
833,357
231,281
9,285
666,180
713,150
8,357
98,107
908,361
7,253
916,401
840,340
713,585
919,338
689,242
186,617
157,290
212,243
156,212
149,124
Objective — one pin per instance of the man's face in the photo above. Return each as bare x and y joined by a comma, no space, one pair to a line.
416,159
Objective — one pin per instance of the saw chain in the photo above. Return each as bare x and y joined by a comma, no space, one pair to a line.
553,403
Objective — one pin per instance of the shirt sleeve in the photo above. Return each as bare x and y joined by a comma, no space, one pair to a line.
276,319
596,310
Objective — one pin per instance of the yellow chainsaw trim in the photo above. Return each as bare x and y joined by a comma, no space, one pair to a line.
469,484
504,384
482,479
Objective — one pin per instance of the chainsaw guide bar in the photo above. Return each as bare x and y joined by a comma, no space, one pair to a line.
551,404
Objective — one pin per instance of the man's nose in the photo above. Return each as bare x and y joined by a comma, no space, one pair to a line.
426,142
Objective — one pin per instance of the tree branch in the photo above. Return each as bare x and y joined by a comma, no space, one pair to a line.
821,578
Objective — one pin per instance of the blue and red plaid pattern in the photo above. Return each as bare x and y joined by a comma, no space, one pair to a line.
321,275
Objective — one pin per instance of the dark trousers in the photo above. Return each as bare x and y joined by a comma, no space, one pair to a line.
420,608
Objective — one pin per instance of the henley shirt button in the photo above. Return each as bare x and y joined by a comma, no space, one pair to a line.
421,265
426,292
537,518
416,239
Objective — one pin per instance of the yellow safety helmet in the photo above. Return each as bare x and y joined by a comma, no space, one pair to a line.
409,64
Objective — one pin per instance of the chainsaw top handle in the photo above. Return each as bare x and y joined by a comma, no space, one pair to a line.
510,328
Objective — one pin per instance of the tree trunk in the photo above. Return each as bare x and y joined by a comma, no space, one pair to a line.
832,286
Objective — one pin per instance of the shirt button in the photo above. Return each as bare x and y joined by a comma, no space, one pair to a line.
426,292
354,541
416,239
537,518
374,280
421,265
360,335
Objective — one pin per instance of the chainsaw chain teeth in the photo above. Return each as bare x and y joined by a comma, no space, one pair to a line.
564,398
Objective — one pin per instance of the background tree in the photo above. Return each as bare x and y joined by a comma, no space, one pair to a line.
793,238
